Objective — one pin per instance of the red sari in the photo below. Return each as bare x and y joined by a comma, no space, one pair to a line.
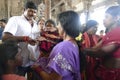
89,41
47,45
102,72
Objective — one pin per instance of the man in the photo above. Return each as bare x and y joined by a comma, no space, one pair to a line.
3,22
25,30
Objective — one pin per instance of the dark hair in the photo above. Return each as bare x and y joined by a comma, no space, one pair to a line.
8,51
101,30
30,4
5,20
50,21
113,10
70,22
90,24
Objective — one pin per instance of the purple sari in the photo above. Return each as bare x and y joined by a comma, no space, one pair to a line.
64,60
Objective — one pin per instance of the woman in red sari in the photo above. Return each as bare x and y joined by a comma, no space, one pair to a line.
90,39
48,39
108,49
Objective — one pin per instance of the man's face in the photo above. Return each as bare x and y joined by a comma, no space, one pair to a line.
2,24
30,13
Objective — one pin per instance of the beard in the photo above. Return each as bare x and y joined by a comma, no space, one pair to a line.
29,17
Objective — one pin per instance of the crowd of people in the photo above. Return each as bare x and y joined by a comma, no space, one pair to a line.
42,50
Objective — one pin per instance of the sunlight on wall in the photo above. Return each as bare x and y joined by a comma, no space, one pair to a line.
82,18
98,15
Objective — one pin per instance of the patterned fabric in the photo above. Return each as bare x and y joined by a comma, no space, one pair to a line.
64,60
47,45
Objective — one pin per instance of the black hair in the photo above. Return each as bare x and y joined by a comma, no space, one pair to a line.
101,30
31,5
5,20
70,22
8,51
90,24
50,21
113,10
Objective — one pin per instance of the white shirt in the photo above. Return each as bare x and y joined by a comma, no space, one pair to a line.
19,26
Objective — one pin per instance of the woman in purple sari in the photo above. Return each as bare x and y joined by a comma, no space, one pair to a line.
63,62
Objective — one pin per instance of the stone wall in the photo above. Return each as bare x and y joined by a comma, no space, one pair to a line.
3,8
9,8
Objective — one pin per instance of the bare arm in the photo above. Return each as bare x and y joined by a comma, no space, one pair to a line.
98,51
51,76
44,75
8,35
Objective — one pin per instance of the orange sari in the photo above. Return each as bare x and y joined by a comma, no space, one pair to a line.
89,41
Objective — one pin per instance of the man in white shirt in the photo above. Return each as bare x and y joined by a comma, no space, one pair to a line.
24,29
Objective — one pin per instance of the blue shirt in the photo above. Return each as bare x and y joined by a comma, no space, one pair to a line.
1,31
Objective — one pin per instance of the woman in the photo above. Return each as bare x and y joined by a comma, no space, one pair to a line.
108,49
49,38
41,23
90,39
63,61
89,36
10,59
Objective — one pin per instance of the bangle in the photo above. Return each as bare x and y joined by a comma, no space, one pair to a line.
25,38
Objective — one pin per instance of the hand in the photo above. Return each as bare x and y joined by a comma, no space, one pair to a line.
41,38
51,36
32,41
34,66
